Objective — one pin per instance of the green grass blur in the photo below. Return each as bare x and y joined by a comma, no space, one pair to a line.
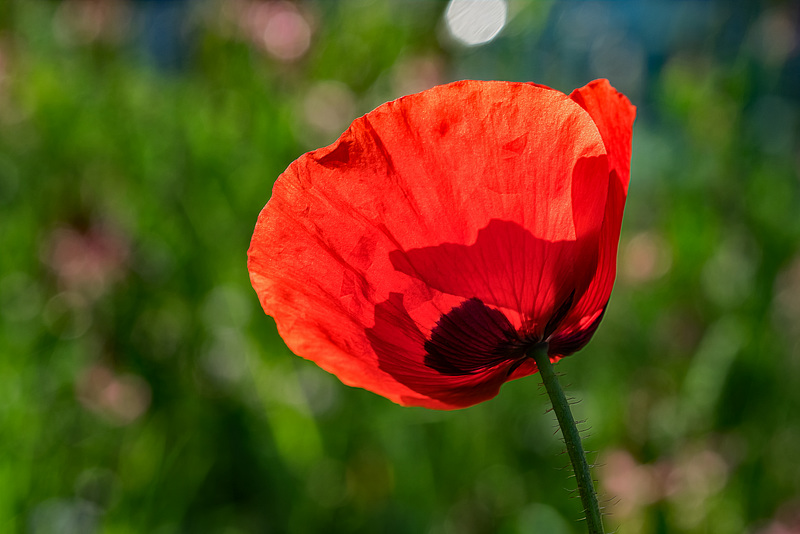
142,389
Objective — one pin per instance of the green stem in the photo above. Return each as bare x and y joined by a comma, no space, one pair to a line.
571,437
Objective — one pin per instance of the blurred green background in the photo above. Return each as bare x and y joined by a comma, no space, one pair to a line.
143,390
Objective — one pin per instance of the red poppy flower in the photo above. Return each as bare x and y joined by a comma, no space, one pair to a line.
445,233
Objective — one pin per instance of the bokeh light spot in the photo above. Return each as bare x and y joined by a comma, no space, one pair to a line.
287,35
279,28
475,22
645,257
119,399
328,107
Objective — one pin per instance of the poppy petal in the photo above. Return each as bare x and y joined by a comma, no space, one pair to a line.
613,114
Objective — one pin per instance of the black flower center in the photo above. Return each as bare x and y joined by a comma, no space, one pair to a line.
473,337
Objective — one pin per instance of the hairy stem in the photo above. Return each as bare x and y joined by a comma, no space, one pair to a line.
571,437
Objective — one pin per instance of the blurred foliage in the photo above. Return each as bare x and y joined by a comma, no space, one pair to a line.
143,390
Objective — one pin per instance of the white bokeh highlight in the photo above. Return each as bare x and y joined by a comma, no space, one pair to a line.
475,22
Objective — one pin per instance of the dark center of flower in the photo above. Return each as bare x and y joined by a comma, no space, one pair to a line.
473,337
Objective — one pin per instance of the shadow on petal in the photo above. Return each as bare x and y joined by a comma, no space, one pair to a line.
506,267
